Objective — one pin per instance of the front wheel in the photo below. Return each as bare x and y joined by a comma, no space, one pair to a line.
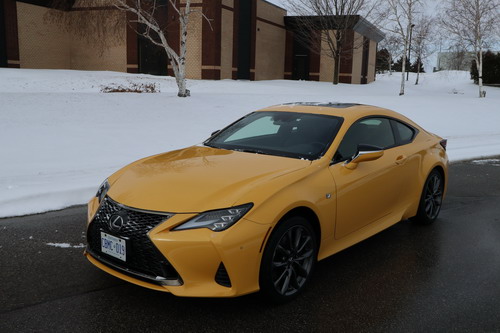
431,199
288,260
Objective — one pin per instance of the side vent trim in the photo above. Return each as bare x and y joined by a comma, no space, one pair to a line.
221,277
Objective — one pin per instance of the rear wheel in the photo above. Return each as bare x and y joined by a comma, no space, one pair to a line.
431,199
288,260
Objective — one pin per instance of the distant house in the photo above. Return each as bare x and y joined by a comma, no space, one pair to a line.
246,39
459,61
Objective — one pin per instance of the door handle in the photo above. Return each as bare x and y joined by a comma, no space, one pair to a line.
401,159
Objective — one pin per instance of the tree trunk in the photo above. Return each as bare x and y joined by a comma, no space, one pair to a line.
390,65
403,65
336,69
403,70
418,70
181,77
479,65
181,84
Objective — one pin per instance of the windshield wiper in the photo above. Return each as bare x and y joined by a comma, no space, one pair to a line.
252,150
210,145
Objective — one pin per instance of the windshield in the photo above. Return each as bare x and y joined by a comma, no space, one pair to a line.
290,134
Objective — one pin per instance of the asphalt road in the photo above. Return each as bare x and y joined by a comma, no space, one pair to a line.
409,278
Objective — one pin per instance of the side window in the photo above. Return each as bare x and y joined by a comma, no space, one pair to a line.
406,133
369,131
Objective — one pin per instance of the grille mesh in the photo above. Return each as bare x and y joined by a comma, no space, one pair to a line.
142,255
221,277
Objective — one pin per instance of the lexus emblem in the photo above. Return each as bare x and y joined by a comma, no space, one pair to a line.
117,221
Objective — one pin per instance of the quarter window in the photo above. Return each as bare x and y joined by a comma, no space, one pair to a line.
406,133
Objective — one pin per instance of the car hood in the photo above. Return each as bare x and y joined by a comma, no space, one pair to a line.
196,179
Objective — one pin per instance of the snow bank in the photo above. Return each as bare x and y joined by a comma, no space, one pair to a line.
60,137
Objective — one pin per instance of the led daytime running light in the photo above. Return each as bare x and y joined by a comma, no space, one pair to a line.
216,220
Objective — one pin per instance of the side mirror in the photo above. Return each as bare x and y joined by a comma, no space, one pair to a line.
365,153
213,133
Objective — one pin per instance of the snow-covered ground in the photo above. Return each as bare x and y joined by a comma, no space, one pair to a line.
60,137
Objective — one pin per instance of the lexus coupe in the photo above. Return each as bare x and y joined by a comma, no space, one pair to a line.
257,204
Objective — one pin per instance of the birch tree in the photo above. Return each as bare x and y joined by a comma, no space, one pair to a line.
400,17
326,23
107,18
144,11
423,35
472,24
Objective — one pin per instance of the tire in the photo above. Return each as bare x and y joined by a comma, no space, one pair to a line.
287,266
431,199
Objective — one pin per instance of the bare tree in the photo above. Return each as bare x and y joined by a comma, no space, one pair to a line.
400,17
423,35
324,25
144,11
472,24
107,17
394,48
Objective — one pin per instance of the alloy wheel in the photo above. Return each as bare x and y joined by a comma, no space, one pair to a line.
292,260
433,196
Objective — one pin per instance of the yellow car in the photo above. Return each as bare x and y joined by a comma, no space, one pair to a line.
259,202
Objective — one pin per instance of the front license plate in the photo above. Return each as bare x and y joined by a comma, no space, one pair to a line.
114,246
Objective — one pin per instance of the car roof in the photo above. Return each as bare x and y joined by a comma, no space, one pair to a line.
348,111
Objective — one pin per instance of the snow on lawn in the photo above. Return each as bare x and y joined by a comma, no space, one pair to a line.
60,137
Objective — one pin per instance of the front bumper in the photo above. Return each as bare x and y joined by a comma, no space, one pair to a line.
196,256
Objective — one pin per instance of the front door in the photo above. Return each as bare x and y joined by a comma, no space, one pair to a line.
369,192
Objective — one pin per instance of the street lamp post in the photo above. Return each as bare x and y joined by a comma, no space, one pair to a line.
409,52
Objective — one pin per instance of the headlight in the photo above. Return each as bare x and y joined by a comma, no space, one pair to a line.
103,189
216,220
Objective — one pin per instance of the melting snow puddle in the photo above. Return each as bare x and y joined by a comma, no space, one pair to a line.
66,245
491,161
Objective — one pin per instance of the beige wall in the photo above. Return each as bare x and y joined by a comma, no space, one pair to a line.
229,3
89,55
270,12
194,46
372,58
269,52
357,59
270,42
41,44
226,61
326,63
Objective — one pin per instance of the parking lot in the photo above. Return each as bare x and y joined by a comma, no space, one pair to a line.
439,278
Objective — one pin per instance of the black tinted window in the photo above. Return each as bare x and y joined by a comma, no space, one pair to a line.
369,131
406,133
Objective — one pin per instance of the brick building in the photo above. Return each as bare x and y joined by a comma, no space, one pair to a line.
245,39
